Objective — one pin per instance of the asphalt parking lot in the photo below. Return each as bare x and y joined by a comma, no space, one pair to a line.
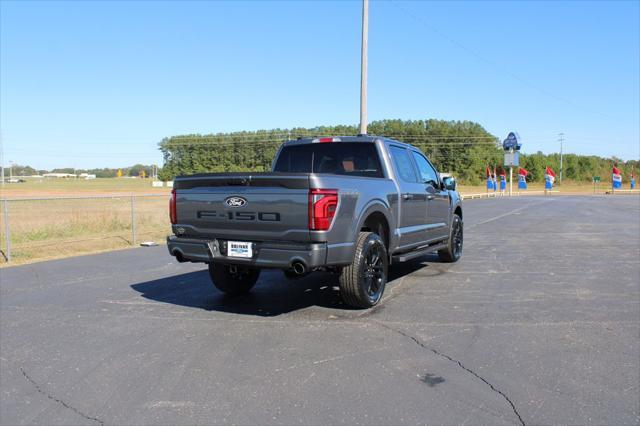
539,323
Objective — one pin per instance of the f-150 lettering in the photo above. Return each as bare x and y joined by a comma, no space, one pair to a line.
240,215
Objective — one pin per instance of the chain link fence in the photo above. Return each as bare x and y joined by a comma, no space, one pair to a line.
41,228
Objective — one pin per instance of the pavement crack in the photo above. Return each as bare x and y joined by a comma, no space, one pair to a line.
459,363
59,401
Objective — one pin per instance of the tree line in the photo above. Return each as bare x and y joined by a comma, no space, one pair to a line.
136,170
462,148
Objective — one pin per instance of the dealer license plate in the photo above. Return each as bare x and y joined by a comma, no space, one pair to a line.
239,249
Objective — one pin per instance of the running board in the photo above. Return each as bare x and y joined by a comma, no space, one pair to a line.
404,257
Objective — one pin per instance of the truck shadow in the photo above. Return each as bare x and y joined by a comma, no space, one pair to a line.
273,295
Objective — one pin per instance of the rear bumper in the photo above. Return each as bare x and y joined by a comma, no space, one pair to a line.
266,254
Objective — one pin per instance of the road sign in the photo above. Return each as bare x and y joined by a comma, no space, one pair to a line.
596,184
511,159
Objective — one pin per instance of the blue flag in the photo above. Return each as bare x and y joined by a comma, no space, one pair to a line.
616,178
549,178
522,178
490,183
522,182
548,185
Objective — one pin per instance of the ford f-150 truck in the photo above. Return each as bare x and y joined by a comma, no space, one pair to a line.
353,205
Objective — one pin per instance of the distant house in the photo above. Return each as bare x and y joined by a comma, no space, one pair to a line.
86,176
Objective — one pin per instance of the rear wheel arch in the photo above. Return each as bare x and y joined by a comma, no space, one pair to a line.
376,221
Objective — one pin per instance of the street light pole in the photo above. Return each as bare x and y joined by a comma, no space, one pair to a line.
363,67
561,135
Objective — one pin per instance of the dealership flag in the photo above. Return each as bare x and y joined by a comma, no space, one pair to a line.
503,180
522,178
490,184
633,180
616,178
494,177
549,178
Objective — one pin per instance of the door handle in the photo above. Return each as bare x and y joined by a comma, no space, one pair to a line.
407,196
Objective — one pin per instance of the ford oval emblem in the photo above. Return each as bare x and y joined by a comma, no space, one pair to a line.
235,202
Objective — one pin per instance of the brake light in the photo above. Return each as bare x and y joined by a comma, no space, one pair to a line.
325,140
173,212
323,204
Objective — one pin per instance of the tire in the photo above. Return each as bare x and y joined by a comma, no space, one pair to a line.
453,252
362,283
233,283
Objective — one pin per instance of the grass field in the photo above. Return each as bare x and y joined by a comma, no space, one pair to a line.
46,229
79,187
120,186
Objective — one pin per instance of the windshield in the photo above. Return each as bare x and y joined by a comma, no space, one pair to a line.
342,158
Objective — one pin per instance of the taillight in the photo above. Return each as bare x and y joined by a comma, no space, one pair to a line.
325,140
323,204
173,215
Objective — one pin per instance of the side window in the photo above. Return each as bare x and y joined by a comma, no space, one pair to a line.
427,172
403,164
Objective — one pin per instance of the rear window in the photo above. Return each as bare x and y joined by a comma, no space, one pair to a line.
341,158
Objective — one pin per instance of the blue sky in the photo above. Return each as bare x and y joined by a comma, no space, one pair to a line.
93,84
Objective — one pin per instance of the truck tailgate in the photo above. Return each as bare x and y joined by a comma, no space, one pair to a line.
244,207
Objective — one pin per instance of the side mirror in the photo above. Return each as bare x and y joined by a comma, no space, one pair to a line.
449,183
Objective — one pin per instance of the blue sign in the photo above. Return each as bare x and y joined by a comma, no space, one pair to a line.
512,142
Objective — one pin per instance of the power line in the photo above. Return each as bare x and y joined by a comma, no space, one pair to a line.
493,64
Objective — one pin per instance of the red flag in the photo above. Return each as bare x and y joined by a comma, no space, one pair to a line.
488,172
522,172
503,172
616,171
550,172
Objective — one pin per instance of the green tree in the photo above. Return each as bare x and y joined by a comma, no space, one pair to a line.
463,148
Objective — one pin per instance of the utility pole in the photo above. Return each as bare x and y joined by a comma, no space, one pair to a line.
510,180
363,67
561,139
1,161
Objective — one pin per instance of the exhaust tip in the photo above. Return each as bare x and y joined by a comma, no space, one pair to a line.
299,267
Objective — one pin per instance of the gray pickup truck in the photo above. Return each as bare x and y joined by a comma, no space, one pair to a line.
352,205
